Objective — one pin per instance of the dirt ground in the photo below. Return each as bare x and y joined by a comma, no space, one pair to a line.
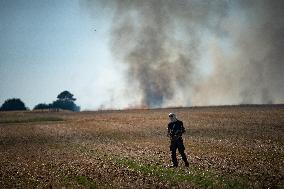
228,147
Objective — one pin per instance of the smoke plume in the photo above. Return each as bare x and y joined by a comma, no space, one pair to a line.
192,52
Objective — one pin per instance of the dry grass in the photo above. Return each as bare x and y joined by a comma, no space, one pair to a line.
228,147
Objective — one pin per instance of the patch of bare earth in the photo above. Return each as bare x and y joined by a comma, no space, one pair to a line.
244,143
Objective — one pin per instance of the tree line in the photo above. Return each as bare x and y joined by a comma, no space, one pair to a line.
65,100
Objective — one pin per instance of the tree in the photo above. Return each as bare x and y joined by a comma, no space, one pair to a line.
65,101
42,106
65,105
66,96
13,104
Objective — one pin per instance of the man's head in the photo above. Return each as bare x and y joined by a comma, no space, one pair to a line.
172,117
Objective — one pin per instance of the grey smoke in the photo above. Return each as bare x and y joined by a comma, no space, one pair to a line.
163,43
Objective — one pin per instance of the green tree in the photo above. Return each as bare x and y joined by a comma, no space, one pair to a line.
65,101
66,96
42,106
13,104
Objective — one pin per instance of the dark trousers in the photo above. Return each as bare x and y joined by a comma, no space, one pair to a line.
178,144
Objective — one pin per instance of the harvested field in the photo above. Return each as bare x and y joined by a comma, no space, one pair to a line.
228,147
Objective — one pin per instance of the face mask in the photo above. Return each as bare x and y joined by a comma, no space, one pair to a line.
173,118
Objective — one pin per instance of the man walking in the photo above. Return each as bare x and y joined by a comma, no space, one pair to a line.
175,131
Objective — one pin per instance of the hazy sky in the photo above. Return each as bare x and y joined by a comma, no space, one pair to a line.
154,53
48,46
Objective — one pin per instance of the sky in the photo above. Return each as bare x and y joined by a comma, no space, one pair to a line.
154,53
49,46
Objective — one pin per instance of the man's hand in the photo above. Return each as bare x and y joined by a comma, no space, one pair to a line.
175,137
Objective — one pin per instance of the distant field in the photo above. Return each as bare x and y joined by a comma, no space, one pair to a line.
228,147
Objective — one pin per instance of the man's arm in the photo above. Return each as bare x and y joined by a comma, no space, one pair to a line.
182,128
180,131
169,131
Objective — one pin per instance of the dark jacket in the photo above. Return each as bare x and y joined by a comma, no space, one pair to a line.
176,129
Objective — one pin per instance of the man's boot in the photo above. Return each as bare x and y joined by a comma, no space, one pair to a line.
186,164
